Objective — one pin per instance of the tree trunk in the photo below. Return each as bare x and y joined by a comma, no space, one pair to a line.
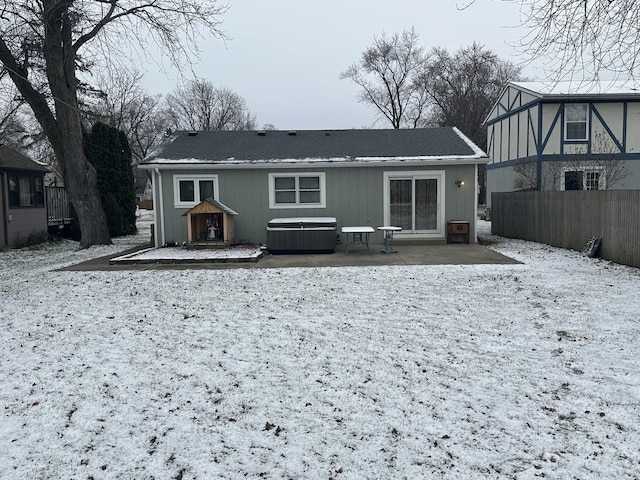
79,174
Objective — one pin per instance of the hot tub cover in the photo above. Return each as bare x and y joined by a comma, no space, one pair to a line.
303,222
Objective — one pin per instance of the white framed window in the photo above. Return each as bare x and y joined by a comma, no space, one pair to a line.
297,190
576,121
588,179
190,190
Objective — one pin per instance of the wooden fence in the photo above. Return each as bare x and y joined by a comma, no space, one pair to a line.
570,219
58,207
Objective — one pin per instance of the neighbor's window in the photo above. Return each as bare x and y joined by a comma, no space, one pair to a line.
575,121
293,190
189,190
592,179
26,191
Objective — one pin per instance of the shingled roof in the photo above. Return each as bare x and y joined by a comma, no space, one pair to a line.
274,146
12,160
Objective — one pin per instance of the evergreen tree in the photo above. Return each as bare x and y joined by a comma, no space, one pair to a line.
108,150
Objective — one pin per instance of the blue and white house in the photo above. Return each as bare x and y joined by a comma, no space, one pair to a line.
564,136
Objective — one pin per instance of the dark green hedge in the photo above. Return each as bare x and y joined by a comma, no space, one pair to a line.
107,148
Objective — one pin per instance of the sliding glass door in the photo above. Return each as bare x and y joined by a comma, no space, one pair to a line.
413,202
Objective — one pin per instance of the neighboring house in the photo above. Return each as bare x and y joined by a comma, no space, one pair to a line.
22,197
408,178
564,136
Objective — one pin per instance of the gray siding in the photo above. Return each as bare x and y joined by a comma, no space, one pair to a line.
355,196
22,222
18,223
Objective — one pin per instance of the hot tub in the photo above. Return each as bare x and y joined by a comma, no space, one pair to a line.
302,234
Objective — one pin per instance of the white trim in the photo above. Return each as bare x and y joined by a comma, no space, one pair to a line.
341,162
158,208
177,203
476,194
439,175
272,194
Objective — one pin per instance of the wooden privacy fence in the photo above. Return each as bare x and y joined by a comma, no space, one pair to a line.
568,219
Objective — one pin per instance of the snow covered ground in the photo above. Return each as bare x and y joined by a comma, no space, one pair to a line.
483,371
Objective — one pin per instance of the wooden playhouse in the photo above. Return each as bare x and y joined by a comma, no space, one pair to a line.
210,224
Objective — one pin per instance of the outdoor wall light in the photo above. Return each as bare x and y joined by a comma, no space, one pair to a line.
459,183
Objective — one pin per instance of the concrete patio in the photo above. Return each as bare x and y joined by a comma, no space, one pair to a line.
406,254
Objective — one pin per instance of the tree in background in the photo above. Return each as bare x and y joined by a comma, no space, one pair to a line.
107,148
44,44
463,87
198,105
121,102
388,74
411,89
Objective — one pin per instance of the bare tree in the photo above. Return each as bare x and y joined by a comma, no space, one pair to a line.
198,105
604,161
603,164
463,87
44,44
388,74
526,176
580,38
12,130
123,104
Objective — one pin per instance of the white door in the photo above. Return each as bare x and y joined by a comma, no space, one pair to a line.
414,202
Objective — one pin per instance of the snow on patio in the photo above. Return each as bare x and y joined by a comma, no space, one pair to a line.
481,371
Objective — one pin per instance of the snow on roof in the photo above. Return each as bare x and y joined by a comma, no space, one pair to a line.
248,148
583,87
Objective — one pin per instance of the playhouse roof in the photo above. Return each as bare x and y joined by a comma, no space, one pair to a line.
210,205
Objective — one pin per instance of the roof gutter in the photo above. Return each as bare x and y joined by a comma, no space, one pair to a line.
356,162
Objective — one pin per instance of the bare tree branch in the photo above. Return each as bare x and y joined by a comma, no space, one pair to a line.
198,105
387,74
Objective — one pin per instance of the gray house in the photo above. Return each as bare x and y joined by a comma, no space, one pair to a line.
564,136
22,197
417,179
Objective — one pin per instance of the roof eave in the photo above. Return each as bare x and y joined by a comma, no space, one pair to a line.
359,162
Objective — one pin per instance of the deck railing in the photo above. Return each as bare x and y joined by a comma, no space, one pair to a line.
58,206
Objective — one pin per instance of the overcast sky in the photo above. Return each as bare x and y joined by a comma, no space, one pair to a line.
285,56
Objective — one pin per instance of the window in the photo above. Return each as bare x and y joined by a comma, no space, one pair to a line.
26,191
588,179
189,190
575,121
591,180
293,190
